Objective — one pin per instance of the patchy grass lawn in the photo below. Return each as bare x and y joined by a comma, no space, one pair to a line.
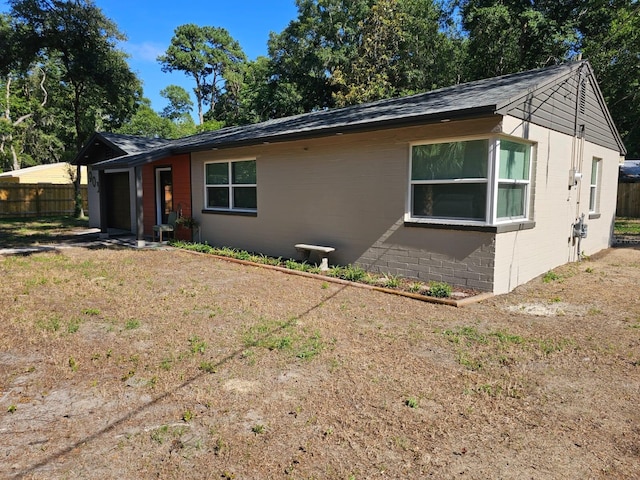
168,364
19,232
627,226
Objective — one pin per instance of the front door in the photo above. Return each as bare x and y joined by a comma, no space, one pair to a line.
164,194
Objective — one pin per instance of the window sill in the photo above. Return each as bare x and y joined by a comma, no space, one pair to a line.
503,228
593,216
238,213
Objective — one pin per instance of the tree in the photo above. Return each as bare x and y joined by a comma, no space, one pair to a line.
403,49
147,123
208,54
180,104
98,84
610,39
265,95
507,36
27,124
319,42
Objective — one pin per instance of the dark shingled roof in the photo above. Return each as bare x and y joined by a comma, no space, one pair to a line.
133,144
118,145
469,100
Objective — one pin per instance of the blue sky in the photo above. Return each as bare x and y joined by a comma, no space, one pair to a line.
149,27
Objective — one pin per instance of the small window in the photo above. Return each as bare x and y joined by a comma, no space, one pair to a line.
594,187
513,180
231,186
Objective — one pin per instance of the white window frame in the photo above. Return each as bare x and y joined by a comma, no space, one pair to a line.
492,182
495,144
159,193
230,185
594,188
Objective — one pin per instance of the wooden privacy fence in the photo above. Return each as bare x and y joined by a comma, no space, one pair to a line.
38,199
628,200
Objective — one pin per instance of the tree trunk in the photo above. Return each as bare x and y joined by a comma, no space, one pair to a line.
78,211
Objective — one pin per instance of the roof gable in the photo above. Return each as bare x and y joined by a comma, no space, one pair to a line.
104,146
572,104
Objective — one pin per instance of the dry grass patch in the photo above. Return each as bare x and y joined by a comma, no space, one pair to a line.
133,363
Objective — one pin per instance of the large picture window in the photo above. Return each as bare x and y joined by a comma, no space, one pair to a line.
471,181
231,186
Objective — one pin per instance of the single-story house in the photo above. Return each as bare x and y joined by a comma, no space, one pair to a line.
56,173
483,185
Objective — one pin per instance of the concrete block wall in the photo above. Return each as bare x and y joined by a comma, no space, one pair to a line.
473,271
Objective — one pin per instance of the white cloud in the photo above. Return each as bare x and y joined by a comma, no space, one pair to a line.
144,52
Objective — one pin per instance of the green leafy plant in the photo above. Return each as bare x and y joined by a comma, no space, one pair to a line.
411,402
468,361
470,334
439,290
550,276
187,416
208,367
159,434
258,429
311,347
166,364
298,266
74,326
197,345
391,281
73,364
52,325
132,324
350,272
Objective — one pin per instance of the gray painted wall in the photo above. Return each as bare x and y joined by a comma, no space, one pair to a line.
349,192
556,109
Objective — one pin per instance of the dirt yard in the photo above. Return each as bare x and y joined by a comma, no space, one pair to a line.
140,364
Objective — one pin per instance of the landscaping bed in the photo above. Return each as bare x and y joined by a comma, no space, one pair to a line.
437,292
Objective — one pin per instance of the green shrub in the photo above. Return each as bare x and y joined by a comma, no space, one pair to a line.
550,276
439,289
350,273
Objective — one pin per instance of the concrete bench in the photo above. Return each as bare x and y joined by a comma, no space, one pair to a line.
322,251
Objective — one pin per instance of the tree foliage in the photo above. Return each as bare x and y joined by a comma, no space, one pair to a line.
333,53
403,49
611,41
94,77
512,35
208,54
